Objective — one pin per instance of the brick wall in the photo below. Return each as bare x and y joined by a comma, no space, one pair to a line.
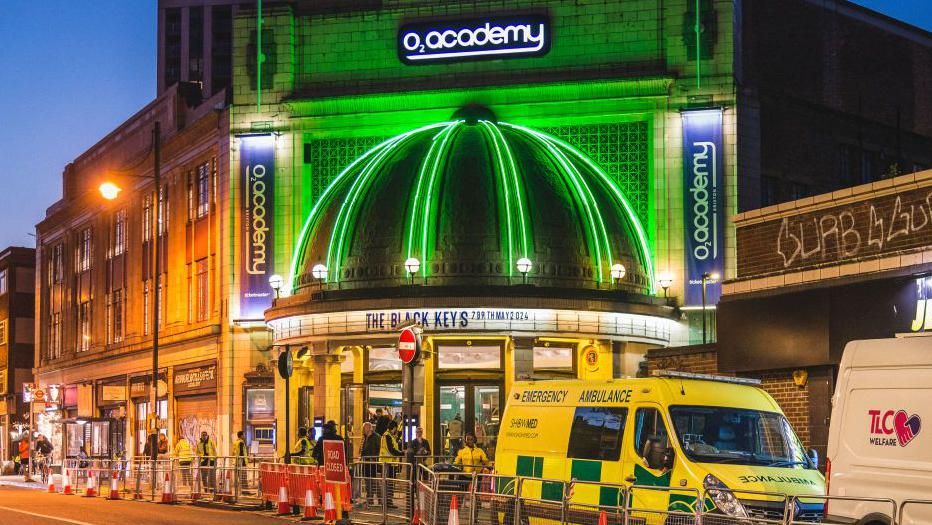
698,359
793,400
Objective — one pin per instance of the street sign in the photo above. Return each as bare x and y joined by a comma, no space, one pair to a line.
38,394
409,345
285,364
335,461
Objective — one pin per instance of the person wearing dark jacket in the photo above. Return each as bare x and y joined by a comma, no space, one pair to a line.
329,433
371,444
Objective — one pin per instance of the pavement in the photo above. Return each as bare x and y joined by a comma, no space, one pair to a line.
28,506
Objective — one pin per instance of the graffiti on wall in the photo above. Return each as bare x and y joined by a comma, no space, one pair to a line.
191,427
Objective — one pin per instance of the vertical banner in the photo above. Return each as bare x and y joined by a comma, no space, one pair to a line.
257,169
703,203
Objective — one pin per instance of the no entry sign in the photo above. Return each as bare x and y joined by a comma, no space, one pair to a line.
409,345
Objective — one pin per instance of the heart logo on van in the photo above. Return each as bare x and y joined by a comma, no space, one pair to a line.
907,427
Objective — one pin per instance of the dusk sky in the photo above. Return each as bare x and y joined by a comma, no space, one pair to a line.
74,70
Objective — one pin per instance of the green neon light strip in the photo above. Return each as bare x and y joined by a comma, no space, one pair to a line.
297,258
520,197
505,197
259,56
415,205
642,243
595,224
428,221
347,215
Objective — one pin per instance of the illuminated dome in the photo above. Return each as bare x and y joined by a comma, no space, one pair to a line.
468,199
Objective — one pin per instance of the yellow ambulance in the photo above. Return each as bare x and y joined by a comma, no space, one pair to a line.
683,435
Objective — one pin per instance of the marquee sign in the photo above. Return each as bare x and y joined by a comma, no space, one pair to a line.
475,39
257,173
703,202
454,320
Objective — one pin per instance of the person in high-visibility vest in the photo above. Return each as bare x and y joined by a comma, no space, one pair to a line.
301,454
471,457
207,452
184,455
240,452
390,453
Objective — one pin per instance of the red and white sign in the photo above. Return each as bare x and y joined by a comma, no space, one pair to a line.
335,461
409,345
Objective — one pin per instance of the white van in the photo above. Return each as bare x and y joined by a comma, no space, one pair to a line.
877,447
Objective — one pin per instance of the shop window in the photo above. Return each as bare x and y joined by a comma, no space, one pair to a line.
549,358
142,411
648,424
260,404
596,433
470,357
383,359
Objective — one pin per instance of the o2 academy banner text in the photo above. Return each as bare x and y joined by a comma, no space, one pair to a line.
257,170
703,203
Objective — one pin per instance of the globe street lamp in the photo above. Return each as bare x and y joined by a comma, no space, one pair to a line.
618,272
524,266
412,265
110,191
665,280
707,278
319,271
275,282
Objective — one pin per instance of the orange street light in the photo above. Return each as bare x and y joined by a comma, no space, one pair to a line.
109,190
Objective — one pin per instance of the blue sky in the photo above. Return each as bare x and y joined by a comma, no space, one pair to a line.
72,70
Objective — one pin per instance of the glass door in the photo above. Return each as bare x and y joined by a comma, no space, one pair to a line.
468,408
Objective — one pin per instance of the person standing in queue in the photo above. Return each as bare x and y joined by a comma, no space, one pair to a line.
455,434
371,445
207,452
390,454
471,457
302,453
184,455
240,453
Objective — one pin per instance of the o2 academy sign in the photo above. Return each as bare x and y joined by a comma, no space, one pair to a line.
474,39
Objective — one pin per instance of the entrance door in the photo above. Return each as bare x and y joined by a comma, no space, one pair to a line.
468,408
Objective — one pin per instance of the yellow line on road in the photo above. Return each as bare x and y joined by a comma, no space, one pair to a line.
64,520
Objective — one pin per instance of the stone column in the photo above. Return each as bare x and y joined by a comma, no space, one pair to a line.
326,373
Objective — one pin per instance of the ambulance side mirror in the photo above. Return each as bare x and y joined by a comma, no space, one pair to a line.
813,458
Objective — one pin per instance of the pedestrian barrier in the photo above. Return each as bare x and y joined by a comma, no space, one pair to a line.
816,509
914,512
609,509
495,500
540,501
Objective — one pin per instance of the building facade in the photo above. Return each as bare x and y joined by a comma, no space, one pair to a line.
17,320
96,286
691,111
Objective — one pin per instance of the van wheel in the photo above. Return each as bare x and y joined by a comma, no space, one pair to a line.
875,519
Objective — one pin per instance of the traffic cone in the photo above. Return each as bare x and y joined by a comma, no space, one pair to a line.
51,484
603,518
66,484
454,518
167,495
310,503
91,491
228,487
330,510
196,484
416,518
114,485
284,506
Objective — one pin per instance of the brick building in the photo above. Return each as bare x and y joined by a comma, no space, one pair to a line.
17,319
96,276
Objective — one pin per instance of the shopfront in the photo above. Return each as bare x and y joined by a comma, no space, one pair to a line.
140,397
195,390
111,406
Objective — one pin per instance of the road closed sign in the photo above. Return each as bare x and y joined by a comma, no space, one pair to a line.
335,461
408,345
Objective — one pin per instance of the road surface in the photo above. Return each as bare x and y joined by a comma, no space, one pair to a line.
35,507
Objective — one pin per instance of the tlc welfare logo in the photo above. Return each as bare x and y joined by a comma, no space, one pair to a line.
886,423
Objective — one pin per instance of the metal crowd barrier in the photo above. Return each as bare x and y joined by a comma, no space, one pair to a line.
914,512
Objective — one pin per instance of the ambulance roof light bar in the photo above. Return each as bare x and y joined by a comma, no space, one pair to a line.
707,377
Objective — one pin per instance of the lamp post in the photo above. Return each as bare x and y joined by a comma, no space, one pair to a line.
706,278
412,265
275,281
524,266
110,191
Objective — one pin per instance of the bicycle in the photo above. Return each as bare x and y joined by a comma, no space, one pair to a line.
41,466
